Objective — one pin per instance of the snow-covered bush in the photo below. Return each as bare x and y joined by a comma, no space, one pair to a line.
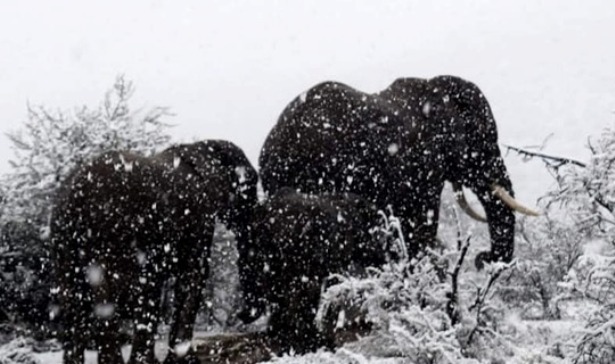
548,251
46,148
17,351
588,190
596,344
586,194
419,311
51,143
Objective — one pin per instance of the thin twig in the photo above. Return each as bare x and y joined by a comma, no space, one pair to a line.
453,302
545,157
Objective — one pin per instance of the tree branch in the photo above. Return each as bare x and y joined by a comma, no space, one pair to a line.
545,157
452,307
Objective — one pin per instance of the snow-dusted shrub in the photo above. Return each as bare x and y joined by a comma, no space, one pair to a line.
419,310
407,307
596,344
548,250
341,356
17,351
49,144
586,192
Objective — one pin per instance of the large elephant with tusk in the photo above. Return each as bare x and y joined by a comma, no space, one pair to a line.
397,147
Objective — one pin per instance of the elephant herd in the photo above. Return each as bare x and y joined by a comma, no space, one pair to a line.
123,224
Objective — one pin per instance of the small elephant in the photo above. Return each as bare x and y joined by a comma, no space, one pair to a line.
122,224
300,240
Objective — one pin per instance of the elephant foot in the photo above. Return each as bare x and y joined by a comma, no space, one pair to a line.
248,316
482,259
149,359
189,358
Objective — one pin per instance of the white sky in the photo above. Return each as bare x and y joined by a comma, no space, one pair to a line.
227,68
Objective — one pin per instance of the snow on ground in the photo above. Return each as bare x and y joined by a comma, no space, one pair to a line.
91,357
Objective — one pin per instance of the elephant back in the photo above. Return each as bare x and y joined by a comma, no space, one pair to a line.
333,139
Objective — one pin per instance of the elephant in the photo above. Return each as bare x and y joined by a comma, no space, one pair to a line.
300,240
397,147
123,223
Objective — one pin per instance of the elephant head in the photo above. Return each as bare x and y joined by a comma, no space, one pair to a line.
460,128
238,179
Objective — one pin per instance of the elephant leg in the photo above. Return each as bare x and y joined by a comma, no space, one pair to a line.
188,295
250,278
109,345
146,314
107,322
292,326
73,353
74,346
77,330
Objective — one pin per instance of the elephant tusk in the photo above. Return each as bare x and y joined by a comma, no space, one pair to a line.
509,201
465,206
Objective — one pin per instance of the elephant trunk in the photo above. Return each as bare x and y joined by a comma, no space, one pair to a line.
501,220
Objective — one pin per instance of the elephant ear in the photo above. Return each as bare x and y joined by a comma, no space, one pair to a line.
240,174
203,164
466,102
226,165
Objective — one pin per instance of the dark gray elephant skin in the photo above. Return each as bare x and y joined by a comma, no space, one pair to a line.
123,224
396,148
300,241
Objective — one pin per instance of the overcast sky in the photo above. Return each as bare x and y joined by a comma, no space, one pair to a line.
227,68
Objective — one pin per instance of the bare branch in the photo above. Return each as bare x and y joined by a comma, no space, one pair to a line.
452,306
546,157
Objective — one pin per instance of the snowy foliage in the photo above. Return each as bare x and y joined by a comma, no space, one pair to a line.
596,344
588,194
548,266
17,351
47,147
588,190
51,143
418,311
573,257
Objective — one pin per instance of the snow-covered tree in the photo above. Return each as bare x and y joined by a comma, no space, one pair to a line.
588,190
585,197
548,250
49,144
589,193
